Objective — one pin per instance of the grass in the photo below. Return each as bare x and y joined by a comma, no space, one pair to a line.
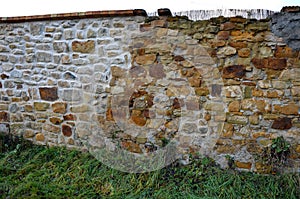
28,171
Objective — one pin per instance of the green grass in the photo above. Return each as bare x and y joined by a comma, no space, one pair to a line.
40,172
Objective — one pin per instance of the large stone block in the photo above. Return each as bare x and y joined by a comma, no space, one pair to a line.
48,93
83,46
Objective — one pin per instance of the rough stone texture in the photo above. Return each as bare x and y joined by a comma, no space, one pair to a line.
138,84
48,94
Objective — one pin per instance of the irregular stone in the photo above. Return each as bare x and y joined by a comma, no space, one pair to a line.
59,107
157,71
233,91
272,63
60,46
41,106
243,165
236,119
43,56
201,91
234,106
227,26
244,52
290,109
285,52
145,59
227,51
223,35
48,93
254,119
80,108
234,71
70,117
29,133
51,128
40,137
55,120
238,45
4,117
282,123
118,72
264,84
83,46
66,130
138,118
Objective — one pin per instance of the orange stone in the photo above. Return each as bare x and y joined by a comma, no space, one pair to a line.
291,109
244,52
59,107
145,59
40,137
234,106
243,165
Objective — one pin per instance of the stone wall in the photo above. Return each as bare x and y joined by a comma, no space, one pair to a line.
223,87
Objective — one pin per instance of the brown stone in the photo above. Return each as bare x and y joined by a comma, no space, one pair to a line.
285,52
48,93
83,46
243,165
227,26
4,117
40,137
261,105
66,130
226,149
29,133
298,148
201,91
260,134
59,107
51,128
234,106
70,117
253,119
234,71
157,71
117,71
238,45
282,123
55,120
257,93
131,146
109,115
146,59
138,118
245,36
223,35
290,109
237,19
41,106
195,81
217,43
272,94
244,52
178,58
271,63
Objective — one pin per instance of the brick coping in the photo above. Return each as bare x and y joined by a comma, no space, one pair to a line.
75,15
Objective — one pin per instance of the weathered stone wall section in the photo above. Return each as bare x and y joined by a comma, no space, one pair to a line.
54,73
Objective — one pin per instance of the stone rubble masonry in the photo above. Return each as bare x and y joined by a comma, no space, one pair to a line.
65,76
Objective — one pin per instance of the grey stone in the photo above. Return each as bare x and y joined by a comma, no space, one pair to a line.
44,56
60,46
72,95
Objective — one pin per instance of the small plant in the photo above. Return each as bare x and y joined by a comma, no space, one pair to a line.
276,154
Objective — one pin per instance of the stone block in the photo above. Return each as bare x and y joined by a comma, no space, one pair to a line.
4,116
48,93
41,106
282,123
83,46
66,130
59,107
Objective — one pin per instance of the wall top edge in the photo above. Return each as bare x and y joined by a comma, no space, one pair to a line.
75,15
104,13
